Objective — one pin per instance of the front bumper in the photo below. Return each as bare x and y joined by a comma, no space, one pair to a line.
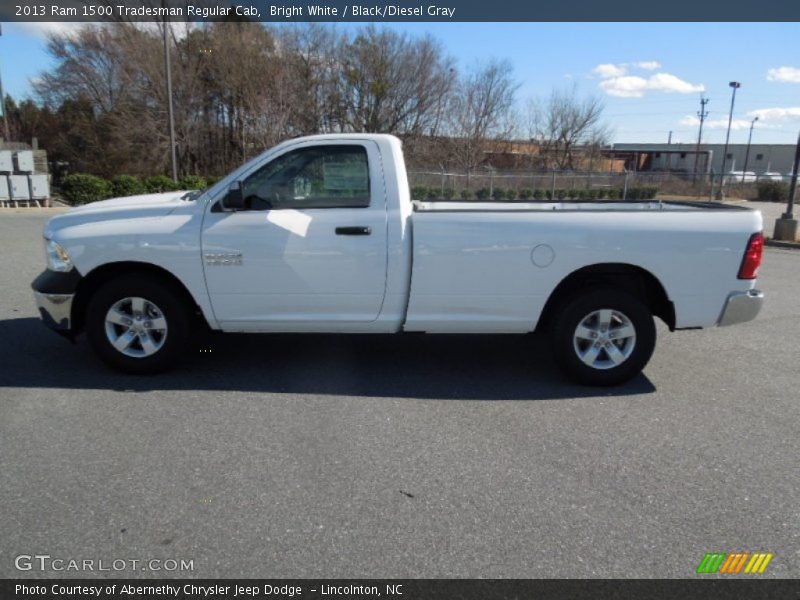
56,310
54,294
741,307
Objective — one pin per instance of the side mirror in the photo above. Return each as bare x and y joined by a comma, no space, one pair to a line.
234,200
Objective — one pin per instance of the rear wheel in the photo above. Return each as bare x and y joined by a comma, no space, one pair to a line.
137,324
603,337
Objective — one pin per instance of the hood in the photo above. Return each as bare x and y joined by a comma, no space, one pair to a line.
166,200
119,209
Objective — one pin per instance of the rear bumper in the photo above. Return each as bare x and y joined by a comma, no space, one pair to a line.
741,307
54,294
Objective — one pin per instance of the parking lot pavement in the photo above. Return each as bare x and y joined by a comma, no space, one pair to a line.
405,456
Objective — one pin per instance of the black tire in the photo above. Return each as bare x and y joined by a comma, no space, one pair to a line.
586,309
158,293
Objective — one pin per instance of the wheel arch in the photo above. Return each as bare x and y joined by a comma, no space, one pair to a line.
632,278
95,278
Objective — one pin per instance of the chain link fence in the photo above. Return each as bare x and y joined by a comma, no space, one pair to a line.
487,184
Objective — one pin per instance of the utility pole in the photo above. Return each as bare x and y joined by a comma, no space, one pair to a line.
734,85
747,152
669,153
702,114
6,132
786,225
169,98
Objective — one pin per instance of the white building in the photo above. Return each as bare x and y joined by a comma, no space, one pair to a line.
681,158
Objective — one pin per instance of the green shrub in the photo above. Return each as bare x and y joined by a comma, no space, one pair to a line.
498,193
525,194
511,194
560,194
642,192
160,183
773,191
212,180
419,192
466,194
448,193
538,194
192,182
549,195
126,185
82,188
482,194
434,193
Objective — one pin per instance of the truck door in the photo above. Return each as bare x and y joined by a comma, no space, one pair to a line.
309,249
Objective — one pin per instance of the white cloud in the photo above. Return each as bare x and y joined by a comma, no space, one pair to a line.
610,70
692,121
632,86
665,82
776,114
784,75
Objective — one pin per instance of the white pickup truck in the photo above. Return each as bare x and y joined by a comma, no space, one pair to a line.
319,234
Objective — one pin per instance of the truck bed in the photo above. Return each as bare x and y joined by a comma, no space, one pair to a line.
490,266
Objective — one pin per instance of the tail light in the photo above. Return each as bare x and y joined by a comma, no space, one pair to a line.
752,257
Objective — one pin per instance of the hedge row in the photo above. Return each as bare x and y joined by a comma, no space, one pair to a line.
773,191
500,194
81,188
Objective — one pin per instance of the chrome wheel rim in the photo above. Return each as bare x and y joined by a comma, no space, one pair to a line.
604,339
136,327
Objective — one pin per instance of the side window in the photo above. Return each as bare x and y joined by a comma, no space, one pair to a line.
313,177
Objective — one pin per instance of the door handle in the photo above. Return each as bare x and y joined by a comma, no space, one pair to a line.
353,230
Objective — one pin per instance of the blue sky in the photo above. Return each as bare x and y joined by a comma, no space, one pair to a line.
649,74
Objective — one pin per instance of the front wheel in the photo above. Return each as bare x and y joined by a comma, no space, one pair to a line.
137,325
603,337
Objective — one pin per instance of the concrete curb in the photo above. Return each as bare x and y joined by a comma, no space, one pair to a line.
779,244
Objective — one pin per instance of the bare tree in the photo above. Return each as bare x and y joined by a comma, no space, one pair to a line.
480,111
391,83
311,73
565,122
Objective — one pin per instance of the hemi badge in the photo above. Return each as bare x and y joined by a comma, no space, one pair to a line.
223,258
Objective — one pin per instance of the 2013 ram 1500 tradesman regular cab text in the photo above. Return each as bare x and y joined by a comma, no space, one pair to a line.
319,234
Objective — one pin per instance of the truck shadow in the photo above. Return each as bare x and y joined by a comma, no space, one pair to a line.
444,367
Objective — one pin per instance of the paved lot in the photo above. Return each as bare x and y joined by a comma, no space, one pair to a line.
317,456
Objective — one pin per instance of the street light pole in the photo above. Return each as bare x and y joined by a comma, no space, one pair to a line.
169,99
747,152
735,85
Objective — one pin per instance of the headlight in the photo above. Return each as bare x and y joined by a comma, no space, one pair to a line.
57,257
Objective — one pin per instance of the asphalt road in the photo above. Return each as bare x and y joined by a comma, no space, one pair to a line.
441,456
